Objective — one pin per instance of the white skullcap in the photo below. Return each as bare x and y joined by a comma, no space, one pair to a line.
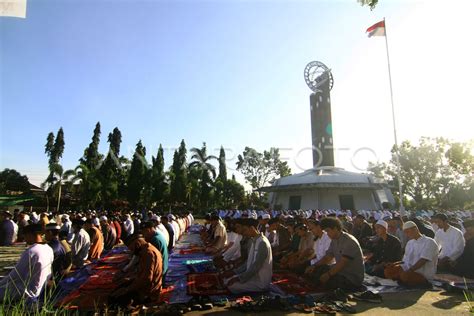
155,218
408,225
96,222
382,223
266,216
103,218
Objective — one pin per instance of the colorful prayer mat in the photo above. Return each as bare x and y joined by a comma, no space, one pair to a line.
205,284
293,284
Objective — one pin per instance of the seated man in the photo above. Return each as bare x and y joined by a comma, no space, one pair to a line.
419,262
154,237
32,272
321,245
465,263
96,238
256,274
348,272
282,238
80,244
231,251
450,241
387,249
362,230
145,286
305,249
219,236
62,256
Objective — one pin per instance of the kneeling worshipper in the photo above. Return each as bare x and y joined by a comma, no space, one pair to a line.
145,286
256,274
62,255
7,229
348,272
155,237
96,238
219,236
282,238
419,262
298,260
387,249
321,244
450,240
464,265
30,275
80,243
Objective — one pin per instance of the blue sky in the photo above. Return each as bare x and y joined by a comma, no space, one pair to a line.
229,73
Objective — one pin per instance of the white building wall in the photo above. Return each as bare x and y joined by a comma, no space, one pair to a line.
327,198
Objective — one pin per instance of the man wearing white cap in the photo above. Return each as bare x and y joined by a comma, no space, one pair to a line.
262,223
420,260
387,249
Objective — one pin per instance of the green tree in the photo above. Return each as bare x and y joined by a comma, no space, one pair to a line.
110,171
436,173
201,161
137,174
87,171
158,178
178,176
12,180
260,169
370,3
54,149
222,165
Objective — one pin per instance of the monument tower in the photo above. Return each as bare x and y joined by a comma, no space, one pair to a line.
319,79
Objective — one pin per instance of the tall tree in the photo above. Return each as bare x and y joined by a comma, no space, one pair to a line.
137,173
201,161
158,177
54,149
87,171
222,165
110,170
178,175
261,169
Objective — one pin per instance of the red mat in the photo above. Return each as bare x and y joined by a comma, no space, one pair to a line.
205,284
291,283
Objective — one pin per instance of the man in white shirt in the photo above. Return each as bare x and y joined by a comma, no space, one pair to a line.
419,262
255,275
450,241
80,244
128,225
321,245
31,273
219,237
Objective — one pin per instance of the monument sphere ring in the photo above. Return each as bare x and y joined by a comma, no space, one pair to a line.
315,74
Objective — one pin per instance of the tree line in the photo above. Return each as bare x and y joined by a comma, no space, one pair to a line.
113,181
436,173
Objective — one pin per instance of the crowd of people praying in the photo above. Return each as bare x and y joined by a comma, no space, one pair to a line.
332,248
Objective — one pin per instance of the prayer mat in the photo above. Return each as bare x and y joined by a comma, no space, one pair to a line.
200,266
191,250
205,284
291,283
454,281
115,259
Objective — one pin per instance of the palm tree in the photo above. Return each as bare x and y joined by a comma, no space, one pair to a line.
201,161
55,180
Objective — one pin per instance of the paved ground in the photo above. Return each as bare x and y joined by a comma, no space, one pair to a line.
412,303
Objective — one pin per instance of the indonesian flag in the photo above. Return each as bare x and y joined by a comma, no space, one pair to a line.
378,29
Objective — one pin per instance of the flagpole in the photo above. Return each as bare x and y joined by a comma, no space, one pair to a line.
397,152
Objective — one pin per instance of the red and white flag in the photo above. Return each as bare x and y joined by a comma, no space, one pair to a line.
378,29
